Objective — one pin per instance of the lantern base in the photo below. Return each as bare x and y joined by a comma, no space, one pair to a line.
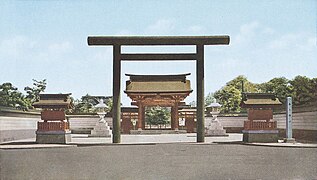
101,130
215,129
262,136
53,137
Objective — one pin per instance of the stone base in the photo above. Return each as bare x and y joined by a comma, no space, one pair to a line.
289,140
53,137
157,132
101,130
262,136
215,129
216,132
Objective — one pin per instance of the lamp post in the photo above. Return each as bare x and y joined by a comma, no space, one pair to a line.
214,110
215,128
133,123
101,129
101,107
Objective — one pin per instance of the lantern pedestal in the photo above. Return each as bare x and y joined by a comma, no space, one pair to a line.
53,137
215,129
101,130
261,136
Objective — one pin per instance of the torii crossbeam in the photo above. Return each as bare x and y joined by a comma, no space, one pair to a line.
118,41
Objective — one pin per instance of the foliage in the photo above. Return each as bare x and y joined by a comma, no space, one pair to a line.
303,89
279,86
229,97
11,97
33,93
86,104
239,80
157,115
209,99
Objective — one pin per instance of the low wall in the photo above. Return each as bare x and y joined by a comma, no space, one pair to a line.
22,125
232,124
16,128
304,125
83,124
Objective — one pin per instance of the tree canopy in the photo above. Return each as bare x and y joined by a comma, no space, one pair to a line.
11,97
301,88
157,115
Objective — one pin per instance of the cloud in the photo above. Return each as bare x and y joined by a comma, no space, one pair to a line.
294,42
248,33
16,46
60,47
161,27
195,30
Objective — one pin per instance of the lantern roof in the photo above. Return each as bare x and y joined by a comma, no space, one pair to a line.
54,101
259,100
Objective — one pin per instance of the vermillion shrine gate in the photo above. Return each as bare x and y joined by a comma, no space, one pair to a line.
118,41
157,90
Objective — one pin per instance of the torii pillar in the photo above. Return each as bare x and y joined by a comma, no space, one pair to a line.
118,41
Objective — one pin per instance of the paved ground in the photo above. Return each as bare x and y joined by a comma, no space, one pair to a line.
157,160
160,161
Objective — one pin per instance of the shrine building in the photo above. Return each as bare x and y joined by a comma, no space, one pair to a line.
260,127
158,90
54,128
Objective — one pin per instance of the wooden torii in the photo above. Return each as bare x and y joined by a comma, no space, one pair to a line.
118,41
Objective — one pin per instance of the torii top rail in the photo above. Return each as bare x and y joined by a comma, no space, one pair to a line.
118,41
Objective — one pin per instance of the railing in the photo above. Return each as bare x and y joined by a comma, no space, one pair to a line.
260,125
52,126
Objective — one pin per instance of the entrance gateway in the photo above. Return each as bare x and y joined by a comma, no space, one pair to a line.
118,41
158,90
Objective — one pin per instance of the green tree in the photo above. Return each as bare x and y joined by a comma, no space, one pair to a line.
229,97
248,86
303,89
209,99
84,105
33,93
279,86
157,115
11,97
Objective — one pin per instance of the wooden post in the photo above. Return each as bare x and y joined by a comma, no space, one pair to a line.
175,116
140,116
116,116
200,94
172,118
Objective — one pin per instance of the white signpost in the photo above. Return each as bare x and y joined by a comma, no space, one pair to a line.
289,121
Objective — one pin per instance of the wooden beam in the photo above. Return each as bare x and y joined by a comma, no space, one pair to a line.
158,40
158,57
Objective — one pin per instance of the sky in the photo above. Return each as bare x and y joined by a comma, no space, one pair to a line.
48,40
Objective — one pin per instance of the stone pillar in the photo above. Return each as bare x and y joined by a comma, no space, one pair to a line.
289,121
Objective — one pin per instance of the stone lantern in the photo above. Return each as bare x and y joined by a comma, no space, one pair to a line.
215,128
101,107
102,128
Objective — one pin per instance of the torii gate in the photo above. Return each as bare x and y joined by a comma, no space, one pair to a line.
118,41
